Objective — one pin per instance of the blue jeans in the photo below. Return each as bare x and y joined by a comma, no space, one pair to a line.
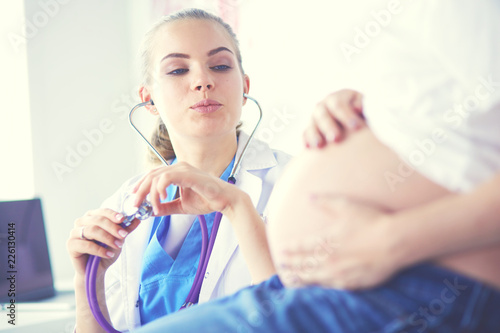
424,298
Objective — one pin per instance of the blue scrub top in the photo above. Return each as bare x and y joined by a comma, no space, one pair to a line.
165,282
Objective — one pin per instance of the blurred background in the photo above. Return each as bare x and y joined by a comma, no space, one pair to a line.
69,77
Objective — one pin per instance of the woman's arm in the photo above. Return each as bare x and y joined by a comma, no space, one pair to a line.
362,246
251,233
201,193
449,225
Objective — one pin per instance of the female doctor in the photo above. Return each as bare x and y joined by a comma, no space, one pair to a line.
193,73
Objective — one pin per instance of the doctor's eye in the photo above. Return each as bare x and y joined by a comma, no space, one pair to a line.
221,68
178,71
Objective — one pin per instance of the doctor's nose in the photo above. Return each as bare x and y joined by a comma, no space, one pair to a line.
203,82
204,87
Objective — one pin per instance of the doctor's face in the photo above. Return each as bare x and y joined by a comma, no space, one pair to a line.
197,84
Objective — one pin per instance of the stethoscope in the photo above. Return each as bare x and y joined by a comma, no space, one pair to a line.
144,211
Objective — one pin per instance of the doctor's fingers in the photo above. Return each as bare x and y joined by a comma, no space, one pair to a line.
157,193
198,181
105,213
77,247
91,232
94,224
144,186
149,176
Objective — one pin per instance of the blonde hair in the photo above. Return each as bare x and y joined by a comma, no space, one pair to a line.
160,138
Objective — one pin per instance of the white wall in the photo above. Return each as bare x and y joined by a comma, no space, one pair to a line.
16,161
291,50
79,65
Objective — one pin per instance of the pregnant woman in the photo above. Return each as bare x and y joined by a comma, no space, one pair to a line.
397,227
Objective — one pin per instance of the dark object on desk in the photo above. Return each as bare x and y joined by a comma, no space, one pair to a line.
22,228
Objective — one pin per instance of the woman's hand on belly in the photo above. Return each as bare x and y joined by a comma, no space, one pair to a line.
354,170
352,250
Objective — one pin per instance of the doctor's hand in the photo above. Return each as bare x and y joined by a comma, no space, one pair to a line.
200,193
333,117
102,225
353,251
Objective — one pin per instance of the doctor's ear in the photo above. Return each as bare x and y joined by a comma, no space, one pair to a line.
146,96
246,88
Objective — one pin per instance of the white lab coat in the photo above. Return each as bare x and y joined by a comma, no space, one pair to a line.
226,272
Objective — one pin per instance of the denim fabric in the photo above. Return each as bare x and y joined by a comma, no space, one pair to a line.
424,298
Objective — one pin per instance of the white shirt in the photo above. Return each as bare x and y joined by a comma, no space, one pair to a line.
431,81
177,232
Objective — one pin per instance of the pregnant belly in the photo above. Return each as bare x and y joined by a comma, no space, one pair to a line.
360,168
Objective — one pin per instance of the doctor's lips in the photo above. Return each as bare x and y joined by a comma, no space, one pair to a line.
206,106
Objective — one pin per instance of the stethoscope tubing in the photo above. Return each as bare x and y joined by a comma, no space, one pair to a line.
90,280
237,166
142,135
199,271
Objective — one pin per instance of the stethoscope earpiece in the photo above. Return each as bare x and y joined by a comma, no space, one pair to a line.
152,103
